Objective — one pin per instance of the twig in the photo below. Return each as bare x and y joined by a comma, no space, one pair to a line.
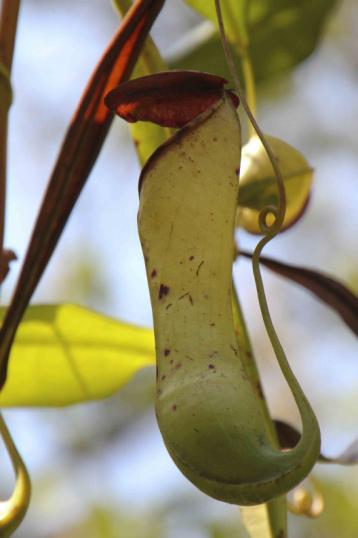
8,25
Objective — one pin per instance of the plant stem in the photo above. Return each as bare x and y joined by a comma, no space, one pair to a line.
249,79
248,359
13,510
278,212
276,509
241,38
8,25
3,153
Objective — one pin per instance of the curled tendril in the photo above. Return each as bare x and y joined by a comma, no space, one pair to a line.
13,510
5,80
266,227
280,211
270,230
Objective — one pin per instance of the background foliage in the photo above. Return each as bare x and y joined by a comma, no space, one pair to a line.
100,469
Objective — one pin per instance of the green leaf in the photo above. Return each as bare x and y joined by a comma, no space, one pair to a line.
258,184
282,33
232,11
64,354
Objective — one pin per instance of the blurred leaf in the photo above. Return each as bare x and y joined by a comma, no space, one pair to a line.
348,457
206,55
226,529
232,11
339,518
108,520
256,521
288,437
147,137
258,183
64,354
330,291
282,33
